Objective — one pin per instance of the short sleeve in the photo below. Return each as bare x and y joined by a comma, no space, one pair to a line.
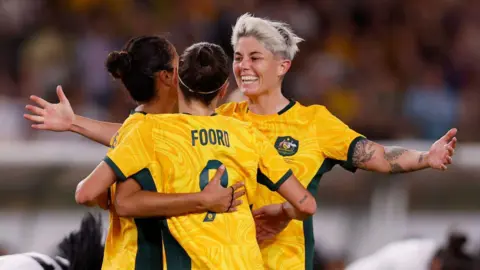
134,152
336,139
272,168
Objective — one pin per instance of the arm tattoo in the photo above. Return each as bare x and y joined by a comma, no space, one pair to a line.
303,199
421,157
391,155
362,153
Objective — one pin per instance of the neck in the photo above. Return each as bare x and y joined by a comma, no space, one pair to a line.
269,103
194,107
159,105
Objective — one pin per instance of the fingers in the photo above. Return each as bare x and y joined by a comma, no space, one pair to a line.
36,110
453,142
238,185
234,205
450,134
61,95
258,212
40,101
449,160
34,118
450,150
443,167
39,126
239,194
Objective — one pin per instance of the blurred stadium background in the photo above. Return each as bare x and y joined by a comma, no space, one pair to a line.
401,72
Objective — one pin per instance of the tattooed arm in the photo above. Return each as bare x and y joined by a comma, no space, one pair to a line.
372,156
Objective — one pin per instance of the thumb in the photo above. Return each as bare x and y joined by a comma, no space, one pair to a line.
61,95
218,175
449,135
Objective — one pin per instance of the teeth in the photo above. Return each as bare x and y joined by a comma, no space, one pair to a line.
249,79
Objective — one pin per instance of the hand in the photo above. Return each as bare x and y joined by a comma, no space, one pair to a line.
270,220
441,152
53,117
219,199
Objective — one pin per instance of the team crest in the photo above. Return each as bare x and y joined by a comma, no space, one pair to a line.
286,146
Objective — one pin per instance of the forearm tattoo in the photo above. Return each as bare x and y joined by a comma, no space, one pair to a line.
391,155
363,153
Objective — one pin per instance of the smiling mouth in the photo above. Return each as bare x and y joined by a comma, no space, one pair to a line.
249,79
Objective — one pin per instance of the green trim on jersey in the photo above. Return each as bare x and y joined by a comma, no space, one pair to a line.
177,257
149,239
309,239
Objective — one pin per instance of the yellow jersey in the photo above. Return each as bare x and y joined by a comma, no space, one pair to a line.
131,243
182,152
312,141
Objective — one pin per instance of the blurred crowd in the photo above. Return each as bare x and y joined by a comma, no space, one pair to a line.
391,69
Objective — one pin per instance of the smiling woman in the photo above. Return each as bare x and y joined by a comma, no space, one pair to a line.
263,54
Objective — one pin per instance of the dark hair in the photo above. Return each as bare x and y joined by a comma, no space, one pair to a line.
84,248
203,70
138,62
453,255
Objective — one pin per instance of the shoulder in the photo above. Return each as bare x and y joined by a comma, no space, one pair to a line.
233,108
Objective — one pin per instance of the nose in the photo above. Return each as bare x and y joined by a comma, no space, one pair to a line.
244,64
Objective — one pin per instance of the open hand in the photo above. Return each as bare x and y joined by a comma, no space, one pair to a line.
270,220
441,152
49,116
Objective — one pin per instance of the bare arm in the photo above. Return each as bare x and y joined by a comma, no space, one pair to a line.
372,156
93,190
98,131
301,204
131,201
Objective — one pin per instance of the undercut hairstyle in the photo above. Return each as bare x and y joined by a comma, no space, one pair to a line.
275,36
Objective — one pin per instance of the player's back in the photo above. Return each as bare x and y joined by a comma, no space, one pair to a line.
189,149
121,245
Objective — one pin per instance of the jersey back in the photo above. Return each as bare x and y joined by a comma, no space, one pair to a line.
128,244
185,151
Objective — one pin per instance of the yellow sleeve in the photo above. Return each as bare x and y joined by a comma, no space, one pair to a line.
133,153
272,168
336,139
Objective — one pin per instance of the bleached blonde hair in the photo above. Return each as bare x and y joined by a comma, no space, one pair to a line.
275,36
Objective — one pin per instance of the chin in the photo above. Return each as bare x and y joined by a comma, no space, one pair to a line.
251,92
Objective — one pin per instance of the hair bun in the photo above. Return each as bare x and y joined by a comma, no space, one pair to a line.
205,59
118,63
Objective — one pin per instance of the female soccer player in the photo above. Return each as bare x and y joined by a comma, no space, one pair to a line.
148,66
173,153
310,138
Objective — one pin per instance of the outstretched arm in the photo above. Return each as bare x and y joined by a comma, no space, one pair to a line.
60,117
371,156
98,131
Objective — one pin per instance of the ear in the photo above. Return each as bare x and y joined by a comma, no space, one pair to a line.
223,92
283,67
166,78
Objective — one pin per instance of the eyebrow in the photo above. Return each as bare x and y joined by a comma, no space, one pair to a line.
252,53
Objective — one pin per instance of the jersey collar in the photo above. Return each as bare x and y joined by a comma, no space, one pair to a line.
287,108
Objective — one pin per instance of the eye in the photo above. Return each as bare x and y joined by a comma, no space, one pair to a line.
237,59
